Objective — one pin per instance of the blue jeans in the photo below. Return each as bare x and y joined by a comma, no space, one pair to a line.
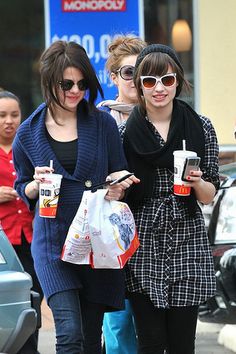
119,331
78,323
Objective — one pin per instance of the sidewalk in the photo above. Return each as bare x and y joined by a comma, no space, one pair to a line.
211,338
207,341
227,337
46,332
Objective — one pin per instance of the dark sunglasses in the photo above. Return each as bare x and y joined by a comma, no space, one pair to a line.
67,84
149,82
126,72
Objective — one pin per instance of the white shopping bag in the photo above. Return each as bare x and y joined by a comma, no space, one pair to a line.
77,246
113,233
102,234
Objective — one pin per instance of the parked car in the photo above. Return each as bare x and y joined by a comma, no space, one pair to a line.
227,154
19,306
222,235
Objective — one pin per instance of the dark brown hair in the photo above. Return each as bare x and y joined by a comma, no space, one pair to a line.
8,94
156,64
54,60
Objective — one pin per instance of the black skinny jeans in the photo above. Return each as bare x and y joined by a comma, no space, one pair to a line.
159,329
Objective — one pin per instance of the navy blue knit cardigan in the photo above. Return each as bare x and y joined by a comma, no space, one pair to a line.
99,153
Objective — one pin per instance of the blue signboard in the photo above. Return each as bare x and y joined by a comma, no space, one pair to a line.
93,24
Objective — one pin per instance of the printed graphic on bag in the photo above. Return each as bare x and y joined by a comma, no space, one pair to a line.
122,228
77,247
102,234
113,233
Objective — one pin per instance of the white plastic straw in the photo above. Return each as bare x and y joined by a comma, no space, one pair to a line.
184,145
51,164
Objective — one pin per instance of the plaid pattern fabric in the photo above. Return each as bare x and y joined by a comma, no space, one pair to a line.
173,264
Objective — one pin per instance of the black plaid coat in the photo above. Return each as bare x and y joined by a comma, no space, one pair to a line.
173,264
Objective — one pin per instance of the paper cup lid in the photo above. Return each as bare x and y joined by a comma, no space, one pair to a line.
184,153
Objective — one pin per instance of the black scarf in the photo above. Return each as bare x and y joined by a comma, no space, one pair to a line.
144,154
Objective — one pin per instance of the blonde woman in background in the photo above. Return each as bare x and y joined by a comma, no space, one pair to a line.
123,52
118,327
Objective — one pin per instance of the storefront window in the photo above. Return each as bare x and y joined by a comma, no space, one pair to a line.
170,22
21,43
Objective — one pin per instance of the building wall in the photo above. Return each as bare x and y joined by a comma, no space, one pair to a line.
216,61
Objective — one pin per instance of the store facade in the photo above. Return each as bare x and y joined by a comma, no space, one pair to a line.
22,40
202,33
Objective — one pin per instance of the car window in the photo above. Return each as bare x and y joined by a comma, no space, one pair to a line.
226,224
228,169
2,259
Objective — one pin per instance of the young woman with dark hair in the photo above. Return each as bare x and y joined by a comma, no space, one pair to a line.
85,147
172,271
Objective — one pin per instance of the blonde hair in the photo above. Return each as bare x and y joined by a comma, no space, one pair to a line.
123,46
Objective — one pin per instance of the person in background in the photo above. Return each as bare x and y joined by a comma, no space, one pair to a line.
16,220
85,147
122,55
118,327
172,271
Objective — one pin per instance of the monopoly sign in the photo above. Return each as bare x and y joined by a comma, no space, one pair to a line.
93,24
93,5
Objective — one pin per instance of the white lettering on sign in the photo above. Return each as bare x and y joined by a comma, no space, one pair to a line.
96,51
93,5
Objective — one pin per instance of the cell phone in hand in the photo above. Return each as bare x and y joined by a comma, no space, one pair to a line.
118,180
110,183
191,164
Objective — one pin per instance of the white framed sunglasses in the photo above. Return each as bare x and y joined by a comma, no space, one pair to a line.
149,82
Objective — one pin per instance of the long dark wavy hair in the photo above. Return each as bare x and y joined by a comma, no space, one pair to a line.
54,60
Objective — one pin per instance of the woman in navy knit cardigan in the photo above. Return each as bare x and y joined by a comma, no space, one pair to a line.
85,147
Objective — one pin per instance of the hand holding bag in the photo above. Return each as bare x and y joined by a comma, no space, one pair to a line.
102,234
